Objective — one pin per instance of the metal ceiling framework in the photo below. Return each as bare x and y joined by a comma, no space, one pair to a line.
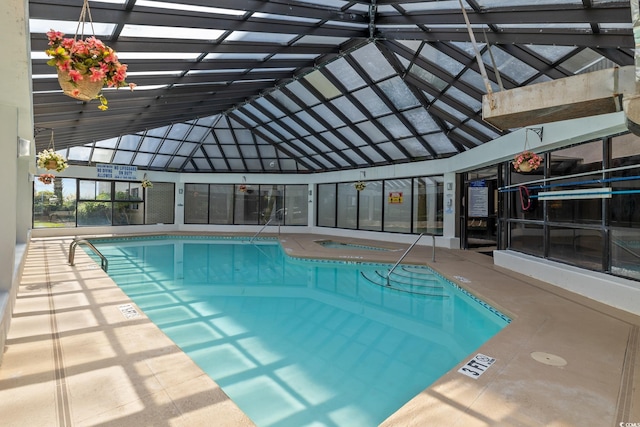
309,86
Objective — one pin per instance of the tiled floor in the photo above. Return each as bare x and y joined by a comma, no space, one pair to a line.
73,358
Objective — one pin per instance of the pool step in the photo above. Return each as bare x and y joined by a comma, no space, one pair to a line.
414,285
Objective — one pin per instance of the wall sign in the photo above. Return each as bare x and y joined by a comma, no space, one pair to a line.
116,171
478,199
395,197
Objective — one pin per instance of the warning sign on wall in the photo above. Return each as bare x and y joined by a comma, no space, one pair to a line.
395,197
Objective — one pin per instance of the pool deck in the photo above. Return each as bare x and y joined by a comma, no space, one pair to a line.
74,359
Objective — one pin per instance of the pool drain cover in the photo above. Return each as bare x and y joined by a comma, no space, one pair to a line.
548,359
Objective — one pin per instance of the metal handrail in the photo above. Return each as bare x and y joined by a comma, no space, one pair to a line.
265,226
433,254
104,263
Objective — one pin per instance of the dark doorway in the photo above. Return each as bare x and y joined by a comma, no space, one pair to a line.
479,213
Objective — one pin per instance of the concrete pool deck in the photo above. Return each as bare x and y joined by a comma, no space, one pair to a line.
74,359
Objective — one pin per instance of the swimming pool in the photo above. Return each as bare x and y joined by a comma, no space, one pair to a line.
299,342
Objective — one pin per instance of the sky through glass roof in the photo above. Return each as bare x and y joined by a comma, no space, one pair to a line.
308,86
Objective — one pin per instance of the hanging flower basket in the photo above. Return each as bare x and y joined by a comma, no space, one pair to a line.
242,188
46,178
360,185
84,89
85,66
526,161
145,182
51,160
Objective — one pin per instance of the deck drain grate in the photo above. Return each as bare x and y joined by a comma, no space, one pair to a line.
548,358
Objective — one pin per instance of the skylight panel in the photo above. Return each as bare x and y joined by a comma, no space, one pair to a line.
433,6
303,93
328,40
551,53
158,55
154,73
421,120
372,102
161,32
464,99
372,132
107,143
392,151
332,139
294,126
246,119
239,82
197,133
178,131
448,109
101,155
270,107
142,159
440,143
69,27
110,1
189,7
218,71
414,147
322,85
373,62
329,3
346,24
294,56
582,61
79,153
443,61
123,157
509,66
351,136
328,115
271,70
272,16
490,4
168,147
394,126
345,73
285,101
348,109
307,119
129,142
160,161
253,56
398,93
260,37
186,148
371,153
150,145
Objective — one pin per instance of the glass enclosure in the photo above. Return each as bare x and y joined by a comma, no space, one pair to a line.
250,204
406,205
74,202
580,207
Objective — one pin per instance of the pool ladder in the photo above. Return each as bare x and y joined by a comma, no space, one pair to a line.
72,252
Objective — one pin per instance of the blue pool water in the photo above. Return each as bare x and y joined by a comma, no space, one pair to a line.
296,342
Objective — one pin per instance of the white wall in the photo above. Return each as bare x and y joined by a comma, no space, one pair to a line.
16,120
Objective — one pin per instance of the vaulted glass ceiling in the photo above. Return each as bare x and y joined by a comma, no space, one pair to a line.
308,86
